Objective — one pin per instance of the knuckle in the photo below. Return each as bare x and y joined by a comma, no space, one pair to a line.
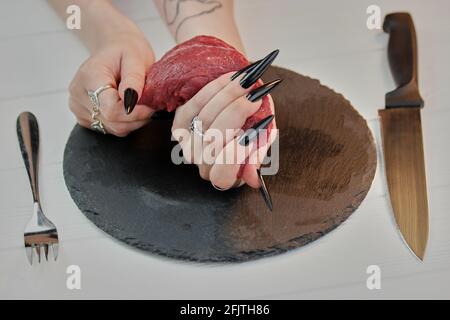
179,119
108,113
134,77
244,108
180,115
234,90
83,123
85,69
91,69
223,80
73,86
208,155
198,102
119,130
72,104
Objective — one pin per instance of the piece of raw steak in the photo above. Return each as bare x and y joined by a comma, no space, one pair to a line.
187,68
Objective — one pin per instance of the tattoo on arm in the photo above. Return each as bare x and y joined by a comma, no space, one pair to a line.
176,16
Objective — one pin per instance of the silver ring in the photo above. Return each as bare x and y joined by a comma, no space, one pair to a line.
217,188
93,95
195,126
96,123
235,185
98,126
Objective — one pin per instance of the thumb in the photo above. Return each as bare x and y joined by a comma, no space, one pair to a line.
132,80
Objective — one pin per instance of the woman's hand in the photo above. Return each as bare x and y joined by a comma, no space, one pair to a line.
222,107
120,60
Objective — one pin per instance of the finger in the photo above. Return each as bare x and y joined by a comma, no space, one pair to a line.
224,129
93,74
223,173
123,129
79,111
231,119
108,99
140,113
232,91
228,123
191,144
132,74
192,108
132,80
212,148
249,174
120,129
236,88
112,109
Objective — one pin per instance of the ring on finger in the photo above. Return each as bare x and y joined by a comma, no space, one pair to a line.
96,123
218,188
235,185
196,126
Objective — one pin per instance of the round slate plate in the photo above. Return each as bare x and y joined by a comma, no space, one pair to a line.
130,188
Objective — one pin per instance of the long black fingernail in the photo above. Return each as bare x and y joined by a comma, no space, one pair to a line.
130,100
253,133
243,70
262,91
264,191
257,70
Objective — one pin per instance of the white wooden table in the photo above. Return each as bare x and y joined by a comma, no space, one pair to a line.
327,40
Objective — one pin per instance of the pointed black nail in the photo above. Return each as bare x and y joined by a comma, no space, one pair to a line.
245,69
264,192
130,99
262,91
257,71
253,133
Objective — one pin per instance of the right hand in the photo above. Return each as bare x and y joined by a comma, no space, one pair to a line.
222,107
121,61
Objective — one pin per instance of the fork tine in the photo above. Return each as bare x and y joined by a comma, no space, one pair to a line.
38,251
29,252
55,250
46,251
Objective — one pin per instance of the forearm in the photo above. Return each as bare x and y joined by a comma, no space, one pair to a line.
100,20
189,18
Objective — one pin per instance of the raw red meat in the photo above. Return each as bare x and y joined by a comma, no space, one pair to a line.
187,68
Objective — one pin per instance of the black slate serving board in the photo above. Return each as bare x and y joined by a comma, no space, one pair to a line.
129,187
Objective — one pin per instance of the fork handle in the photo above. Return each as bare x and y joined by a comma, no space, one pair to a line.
28,135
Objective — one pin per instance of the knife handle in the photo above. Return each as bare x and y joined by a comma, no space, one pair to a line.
402,54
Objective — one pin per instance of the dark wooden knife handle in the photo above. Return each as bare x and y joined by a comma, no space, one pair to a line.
402,54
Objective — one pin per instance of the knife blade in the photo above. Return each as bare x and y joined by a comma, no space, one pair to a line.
401,132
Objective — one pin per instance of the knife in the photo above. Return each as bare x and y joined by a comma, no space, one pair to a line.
401,132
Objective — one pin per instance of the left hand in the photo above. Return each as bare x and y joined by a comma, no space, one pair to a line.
223,108
120,60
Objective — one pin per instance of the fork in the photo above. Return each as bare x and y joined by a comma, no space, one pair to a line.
40,232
